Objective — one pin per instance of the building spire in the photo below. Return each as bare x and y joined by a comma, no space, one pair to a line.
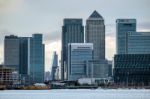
95,14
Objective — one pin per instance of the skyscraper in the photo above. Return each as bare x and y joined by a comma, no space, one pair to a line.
54,66
72,32
12,52
95,33
36,58
122,27
78,56
23,68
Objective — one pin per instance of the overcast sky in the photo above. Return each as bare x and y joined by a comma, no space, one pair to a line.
25,17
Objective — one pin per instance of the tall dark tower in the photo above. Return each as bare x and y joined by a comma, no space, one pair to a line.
12,52
72,32
122,27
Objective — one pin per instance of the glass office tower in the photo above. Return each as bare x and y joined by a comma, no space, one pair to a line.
36,58
12,52
23,70
122,27
78,56
72,32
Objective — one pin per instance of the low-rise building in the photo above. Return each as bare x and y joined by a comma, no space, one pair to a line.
6,75
132,69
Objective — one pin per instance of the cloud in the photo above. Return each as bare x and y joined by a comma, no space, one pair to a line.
50,48
52,36
8,6
144,27
110,30
1,54
110,47
3,33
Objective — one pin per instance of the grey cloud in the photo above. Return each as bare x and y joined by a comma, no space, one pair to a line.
110,30
52,36
143,26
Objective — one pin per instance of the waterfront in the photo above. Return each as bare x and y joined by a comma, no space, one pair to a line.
76,94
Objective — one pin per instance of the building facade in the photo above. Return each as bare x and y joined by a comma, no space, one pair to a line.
132,69
6,75
78,56
98,69
122,27
54,66
23,68
110,70
137,43
47,76
72,32
95,33
12,52
36,58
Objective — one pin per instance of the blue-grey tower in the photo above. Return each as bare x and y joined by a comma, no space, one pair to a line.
36,58
11,52
72,32
23,68
122,27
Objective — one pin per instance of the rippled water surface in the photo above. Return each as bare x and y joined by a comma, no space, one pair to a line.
76,94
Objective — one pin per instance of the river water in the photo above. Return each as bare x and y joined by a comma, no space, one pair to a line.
76,94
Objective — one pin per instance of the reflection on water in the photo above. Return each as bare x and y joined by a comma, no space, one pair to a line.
76,94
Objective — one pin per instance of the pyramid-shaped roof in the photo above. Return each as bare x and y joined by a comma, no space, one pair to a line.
95,14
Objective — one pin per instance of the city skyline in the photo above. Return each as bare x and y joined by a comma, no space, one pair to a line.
26,56
48,20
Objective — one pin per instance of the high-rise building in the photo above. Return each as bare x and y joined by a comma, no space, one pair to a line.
72,32
26,56
54,66
122,27
78,56
137,43
95,33
36,58
12,52
23,68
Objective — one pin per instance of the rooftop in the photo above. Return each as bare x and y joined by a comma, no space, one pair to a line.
95,14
